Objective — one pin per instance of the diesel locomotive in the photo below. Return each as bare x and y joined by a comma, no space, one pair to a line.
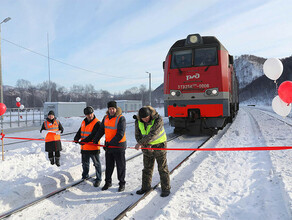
200,84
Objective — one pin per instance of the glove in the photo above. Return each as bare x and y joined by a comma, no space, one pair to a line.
105,147
44,133
77,142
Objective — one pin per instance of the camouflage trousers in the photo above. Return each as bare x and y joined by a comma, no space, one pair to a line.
148,162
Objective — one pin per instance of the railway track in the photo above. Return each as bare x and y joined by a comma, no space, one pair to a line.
133,205
282,120
76,183
73,184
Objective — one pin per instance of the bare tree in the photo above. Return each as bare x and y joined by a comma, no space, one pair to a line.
23,84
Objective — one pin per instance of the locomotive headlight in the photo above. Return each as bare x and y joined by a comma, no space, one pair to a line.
214,92
175,93
193,39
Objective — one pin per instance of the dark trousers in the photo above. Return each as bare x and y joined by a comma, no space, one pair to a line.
119,159
51,154
86,161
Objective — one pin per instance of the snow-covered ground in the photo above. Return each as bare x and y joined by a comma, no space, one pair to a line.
210,185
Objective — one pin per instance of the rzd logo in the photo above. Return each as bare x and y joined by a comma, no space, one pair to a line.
196,76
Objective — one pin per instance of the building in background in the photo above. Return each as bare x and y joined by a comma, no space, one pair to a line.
129,105
65,109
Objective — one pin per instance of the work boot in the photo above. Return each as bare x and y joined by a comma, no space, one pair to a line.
52,160
96,183
106,186
142,191
121,188
164,193
58,161
85,177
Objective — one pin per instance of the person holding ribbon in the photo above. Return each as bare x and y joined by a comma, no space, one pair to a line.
53,139
150,134
113,126
86,133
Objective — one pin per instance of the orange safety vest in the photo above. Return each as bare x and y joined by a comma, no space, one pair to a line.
111,127
51,136
85,132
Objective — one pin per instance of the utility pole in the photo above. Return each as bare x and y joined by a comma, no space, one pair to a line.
1,87
50,92
149,88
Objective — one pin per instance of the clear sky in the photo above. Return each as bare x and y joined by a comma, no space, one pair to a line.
129,37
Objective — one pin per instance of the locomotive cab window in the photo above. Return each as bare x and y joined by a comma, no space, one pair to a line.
206,56
181,59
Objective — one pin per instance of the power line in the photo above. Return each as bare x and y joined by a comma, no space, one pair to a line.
68,64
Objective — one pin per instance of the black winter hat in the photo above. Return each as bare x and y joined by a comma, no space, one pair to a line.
144,112
51,113
88,110
112,104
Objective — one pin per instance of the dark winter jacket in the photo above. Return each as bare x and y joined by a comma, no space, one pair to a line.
90,137
154,131
121,129
53,146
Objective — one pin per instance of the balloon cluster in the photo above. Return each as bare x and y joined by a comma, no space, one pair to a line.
18,104
281,104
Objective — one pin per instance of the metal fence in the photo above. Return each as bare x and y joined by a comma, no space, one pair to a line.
16,117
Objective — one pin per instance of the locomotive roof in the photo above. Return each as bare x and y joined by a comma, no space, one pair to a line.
206,41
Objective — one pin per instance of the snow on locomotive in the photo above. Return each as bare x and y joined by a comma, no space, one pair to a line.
200,85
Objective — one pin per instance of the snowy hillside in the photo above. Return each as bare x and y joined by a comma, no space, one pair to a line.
248,68
210,185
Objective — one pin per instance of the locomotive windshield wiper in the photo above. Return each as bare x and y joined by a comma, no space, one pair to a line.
207,68
175,62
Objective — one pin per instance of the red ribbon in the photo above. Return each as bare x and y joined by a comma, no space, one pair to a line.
183,149
226,149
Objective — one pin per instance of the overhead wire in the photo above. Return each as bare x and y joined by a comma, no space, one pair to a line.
68,64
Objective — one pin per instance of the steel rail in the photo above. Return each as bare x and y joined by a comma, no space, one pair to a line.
134,204
274,117
37,200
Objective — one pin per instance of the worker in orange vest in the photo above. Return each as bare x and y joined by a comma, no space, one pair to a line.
86,133
53,139
113,126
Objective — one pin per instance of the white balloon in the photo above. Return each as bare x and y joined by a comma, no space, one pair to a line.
21,107
18,99
281,107
273,68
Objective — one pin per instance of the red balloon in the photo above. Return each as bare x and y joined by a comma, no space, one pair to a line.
18,104
2,108
285,91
